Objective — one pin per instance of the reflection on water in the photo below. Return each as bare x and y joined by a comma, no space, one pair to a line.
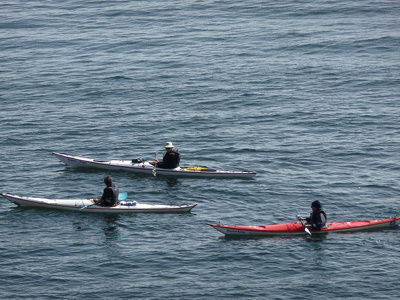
315,248
102,231
317,238
111,234
170,183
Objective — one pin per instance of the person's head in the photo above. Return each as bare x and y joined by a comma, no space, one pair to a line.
169,146
108,181
316,205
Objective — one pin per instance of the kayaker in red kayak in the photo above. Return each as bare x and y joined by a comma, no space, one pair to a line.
318,218
110,194
171,158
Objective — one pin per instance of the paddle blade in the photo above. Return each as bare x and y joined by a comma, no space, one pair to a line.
122,196
307,230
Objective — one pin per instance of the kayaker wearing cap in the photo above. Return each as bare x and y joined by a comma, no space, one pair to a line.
110,194
171,158
317,219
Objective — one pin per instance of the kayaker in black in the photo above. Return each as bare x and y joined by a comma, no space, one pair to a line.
110,194
170,160
318,218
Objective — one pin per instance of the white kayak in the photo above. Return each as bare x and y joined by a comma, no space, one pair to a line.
144,167
86,205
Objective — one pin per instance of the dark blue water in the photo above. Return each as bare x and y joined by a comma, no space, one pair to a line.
305,93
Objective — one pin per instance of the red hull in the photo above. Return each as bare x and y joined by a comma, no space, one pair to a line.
297,228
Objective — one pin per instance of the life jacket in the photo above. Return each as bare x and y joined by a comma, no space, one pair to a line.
318,222
110,195
170,160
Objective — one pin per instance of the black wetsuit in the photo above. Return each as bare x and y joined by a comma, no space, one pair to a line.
110,196
170,160
317,220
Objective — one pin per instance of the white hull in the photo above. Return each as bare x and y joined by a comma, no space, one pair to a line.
146,168
86,205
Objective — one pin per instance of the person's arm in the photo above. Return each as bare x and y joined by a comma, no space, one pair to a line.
99,201
154,162
107,194
307,219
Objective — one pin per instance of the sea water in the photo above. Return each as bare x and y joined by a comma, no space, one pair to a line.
305,93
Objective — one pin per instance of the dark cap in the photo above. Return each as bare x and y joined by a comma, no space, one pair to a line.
316,204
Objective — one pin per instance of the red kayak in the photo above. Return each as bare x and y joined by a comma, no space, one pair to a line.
297,228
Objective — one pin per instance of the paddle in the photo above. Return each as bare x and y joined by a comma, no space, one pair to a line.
154,166
305,228
121,197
